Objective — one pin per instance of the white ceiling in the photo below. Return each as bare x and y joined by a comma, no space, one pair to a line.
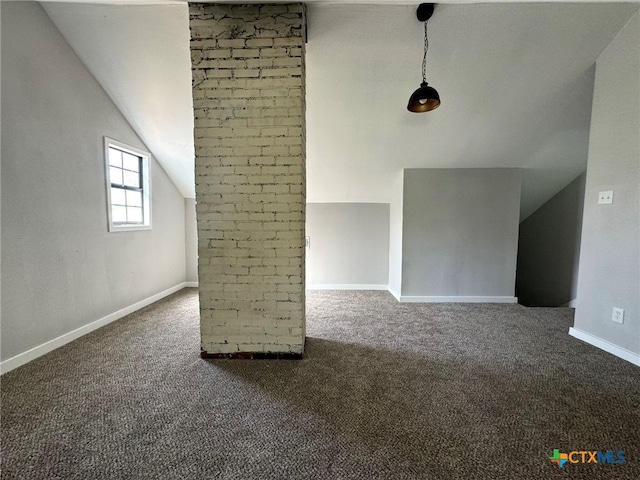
140,56
515,82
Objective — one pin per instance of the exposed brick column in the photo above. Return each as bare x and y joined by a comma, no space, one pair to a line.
248,95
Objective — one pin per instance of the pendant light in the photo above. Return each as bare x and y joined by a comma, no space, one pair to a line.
425,98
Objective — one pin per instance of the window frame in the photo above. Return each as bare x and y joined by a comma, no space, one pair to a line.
145,180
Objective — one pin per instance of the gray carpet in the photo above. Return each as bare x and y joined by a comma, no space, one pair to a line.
385,391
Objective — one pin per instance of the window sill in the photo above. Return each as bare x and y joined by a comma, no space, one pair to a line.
128,228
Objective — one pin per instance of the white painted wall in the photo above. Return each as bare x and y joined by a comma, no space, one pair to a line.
349,245
395,234
610,252
460,233
191,240
61,268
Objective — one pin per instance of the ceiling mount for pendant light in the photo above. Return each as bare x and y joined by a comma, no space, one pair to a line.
425,98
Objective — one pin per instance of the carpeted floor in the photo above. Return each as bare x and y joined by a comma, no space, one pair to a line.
385,391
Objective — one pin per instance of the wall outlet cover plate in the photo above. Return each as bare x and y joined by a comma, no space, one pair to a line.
617,315
605,197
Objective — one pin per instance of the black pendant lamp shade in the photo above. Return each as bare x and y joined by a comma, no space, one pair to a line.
425,98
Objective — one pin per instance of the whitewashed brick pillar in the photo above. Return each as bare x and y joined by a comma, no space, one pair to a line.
248,95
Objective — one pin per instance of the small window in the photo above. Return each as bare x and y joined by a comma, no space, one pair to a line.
128,187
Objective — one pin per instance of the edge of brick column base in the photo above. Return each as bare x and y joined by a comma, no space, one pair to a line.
251,356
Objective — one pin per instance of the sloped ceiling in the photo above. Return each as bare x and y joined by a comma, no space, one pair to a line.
515,81
140,56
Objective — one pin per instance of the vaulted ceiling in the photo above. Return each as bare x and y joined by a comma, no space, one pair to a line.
515,81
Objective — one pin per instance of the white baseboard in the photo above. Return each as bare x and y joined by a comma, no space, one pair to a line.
619,352
25,357
571,304
347,286
457,299
416,299
191,284
395,294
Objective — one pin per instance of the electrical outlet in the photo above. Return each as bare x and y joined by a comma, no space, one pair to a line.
617,315
605,197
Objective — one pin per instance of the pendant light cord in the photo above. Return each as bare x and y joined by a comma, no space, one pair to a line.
424,58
